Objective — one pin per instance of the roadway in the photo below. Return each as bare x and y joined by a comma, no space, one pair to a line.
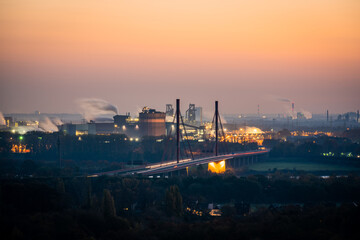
171,166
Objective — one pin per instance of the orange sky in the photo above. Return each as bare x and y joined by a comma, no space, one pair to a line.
266,47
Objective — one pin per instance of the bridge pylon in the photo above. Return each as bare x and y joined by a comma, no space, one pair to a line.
216,126
177,130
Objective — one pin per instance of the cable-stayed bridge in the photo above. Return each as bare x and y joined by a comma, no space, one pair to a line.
167,168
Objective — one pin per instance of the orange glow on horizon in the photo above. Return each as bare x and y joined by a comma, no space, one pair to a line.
90,48
231,31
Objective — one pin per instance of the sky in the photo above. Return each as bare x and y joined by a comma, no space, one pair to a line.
150,52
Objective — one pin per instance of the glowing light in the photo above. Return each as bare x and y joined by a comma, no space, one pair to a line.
217,167
21,148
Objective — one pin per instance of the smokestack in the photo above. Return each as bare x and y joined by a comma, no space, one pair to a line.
292,107
258,110
327,115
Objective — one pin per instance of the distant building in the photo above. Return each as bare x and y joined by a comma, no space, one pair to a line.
104,128
169,110
149,123
9,121
68,128
124,124
120,120
300,115
199,114
190,113
152,123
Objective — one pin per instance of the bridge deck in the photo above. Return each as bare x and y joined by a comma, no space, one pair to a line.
158,168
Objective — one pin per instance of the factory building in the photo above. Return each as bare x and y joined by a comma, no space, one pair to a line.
152,123
9,122
104,128
149,123
124,124
190,113
199,115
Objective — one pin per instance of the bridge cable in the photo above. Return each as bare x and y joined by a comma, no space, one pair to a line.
167,140
222,130
184,147
187,139
212,126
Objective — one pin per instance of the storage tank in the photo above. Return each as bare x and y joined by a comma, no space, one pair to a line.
152,123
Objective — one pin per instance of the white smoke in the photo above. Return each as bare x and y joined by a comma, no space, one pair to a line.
25,129
286,103
307,114
138,109
251,130
93,108
57,121
2,119
208,115
47,125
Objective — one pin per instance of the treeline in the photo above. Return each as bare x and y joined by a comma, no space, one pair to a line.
112,207
113,148
312,147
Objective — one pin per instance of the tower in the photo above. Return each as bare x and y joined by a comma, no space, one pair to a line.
191,113
169,110
327,115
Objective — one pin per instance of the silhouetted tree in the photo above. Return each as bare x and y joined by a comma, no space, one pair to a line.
60,187
108,204
173,201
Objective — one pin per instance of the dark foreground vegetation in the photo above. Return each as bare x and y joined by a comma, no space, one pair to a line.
177,208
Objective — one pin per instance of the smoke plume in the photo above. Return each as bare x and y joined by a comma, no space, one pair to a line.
307,114
25,129
283,99
2,119
47,125
93,108
57,121
253,130
289,111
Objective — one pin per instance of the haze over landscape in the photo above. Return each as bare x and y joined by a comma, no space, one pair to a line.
137,53
179,119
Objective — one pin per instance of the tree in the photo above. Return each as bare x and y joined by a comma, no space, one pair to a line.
28,167
173,201
108,204
60,186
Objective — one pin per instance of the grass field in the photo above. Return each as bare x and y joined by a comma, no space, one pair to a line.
301,165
